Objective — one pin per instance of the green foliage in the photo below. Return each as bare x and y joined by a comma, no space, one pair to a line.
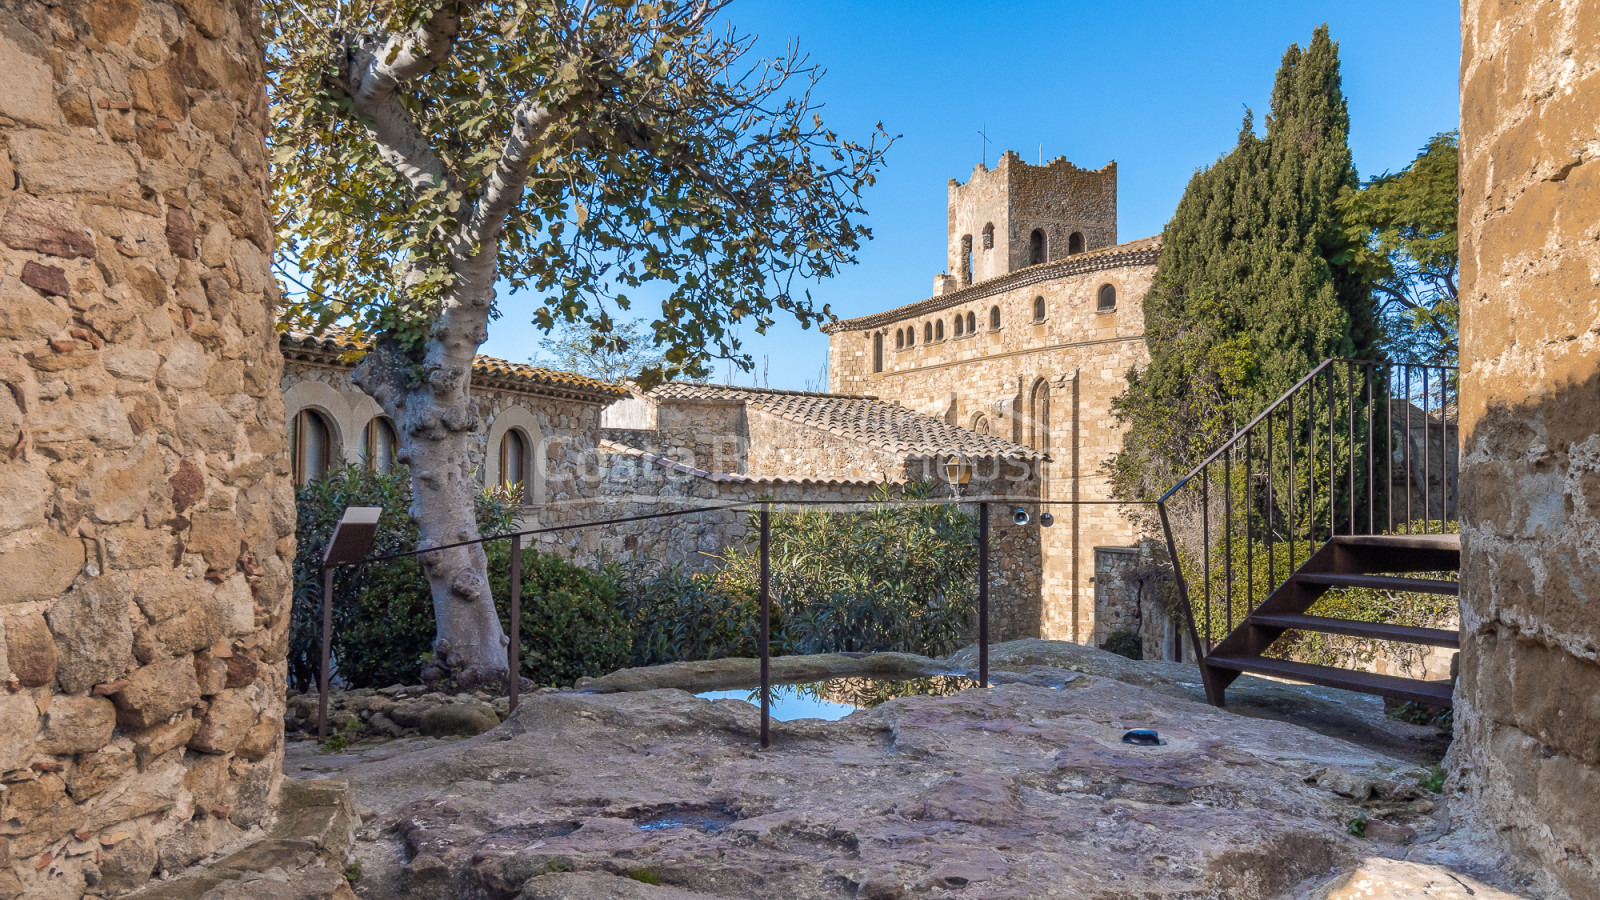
624,355
657,153
572,619
341,738
1124,643
898,578
1357,827
645,876
1434,779
866,693
1402,229
1442,718
1255,284
383,620
679,615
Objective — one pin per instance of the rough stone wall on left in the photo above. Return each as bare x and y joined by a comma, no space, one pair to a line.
146,511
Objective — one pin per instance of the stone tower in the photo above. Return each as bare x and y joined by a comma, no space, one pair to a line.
1017,215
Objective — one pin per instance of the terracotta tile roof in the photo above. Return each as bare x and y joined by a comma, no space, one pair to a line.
335,346
734,477
1143,252
867,420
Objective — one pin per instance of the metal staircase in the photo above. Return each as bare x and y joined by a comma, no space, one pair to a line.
1347,481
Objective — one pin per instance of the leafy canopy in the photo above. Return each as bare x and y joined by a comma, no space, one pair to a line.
1402,232
658,150
1255,285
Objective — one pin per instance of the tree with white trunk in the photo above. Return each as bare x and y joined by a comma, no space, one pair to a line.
439,164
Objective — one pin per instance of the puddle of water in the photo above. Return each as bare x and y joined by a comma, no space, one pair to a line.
705,821
835,699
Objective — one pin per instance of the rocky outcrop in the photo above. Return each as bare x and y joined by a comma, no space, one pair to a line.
1021,790
146,514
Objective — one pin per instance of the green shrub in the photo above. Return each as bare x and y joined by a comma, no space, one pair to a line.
572,619
679,616
1124,643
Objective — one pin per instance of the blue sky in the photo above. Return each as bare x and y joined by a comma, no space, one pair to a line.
1160,87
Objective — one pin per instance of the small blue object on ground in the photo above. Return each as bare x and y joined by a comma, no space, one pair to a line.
1143,737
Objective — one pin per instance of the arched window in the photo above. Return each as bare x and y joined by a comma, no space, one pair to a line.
1039,417
927,332
877,352
1038,309
378,443
988,236
1075,243
938,330
966,259
1036,247
911,337
899,338
957,325
980,423
1107,299
972,323
310,446
513,458
994,318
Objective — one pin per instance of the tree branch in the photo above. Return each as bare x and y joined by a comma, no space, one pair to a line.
530,135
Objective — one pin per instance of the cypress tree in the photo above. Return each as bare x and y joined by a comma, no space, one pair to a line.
1255,284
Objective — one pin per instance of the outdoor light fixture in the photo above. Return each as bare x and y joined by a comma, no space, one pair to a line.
958,472
1020,517
1046,519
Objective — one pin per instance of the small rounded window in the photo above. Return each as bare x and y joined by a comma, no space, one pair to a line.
899,338
972,323
877,352
938,330
378,443
1036,248
1075,243
1038,309
994,318
513,458
959,322
911,337
310,446
988,236
927,332
1107,299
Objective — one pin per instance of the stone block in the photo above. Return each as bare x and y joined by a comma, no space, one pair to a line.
30,650
216,536
39,564
459,719
48,280
42,803
212,673
21,717
242,670
44,226
50,163
180,233
94,633
157,692
225,724
112,21
24,488
100,419
195,629
77,724
94,772
29,95
262,739
206,779
188,486
31,315
152,743
129,862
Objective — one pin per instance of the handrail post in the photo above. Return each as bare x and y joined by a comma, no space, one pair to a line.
327,651
766,625
983,594
514,647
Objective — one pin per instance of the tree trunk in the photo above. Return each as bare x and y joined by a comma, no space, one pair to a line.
435,417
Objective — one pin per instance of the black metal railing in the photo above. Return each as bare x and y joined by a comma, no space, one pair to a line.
1355,447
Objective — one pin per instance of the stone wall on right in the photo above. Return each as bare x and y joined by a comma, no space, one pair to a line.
1527,750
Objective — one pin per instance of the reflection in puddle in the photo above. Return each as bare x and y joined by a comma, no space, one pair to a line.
705,821
839,697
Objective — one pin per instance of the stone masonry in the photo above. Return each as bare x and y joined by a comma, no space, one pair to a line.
1046,380
1527,748
148,519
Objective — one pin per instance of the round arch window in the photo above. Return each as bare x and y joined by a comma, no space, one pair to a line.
1038,309
938,330
310,446
972,323
958,324
378,444
513,458
1075,244
927,332
994,318
1106,300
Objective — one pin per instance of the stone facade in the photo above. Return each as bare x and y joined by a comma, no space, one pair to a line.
148,523
1133,588
1047,352
1527,748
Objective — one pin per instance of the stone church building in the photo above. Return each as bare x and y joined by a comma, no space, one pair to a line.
1028,336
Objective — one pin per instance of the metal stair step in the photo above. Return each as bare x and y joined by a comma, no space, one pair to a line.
1402,541
1383,631
1433,693
1380,582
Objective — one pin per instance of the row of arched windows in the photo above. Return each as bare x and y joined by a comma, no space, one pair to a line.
312,453
1038,248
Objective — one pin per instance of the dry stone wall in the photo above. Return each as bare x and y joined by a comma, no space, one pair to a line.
1527,747
148,520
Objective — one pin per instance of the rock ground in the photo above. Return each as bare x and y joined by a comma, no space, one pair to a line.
1022,790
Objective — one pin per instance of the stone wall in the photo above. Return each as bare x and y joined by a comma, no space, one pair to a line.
1527,748
1044,382
997,210
148,520
1132,588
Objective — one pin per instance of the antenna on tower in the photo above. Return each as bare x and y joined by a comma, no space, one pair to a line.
985,135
